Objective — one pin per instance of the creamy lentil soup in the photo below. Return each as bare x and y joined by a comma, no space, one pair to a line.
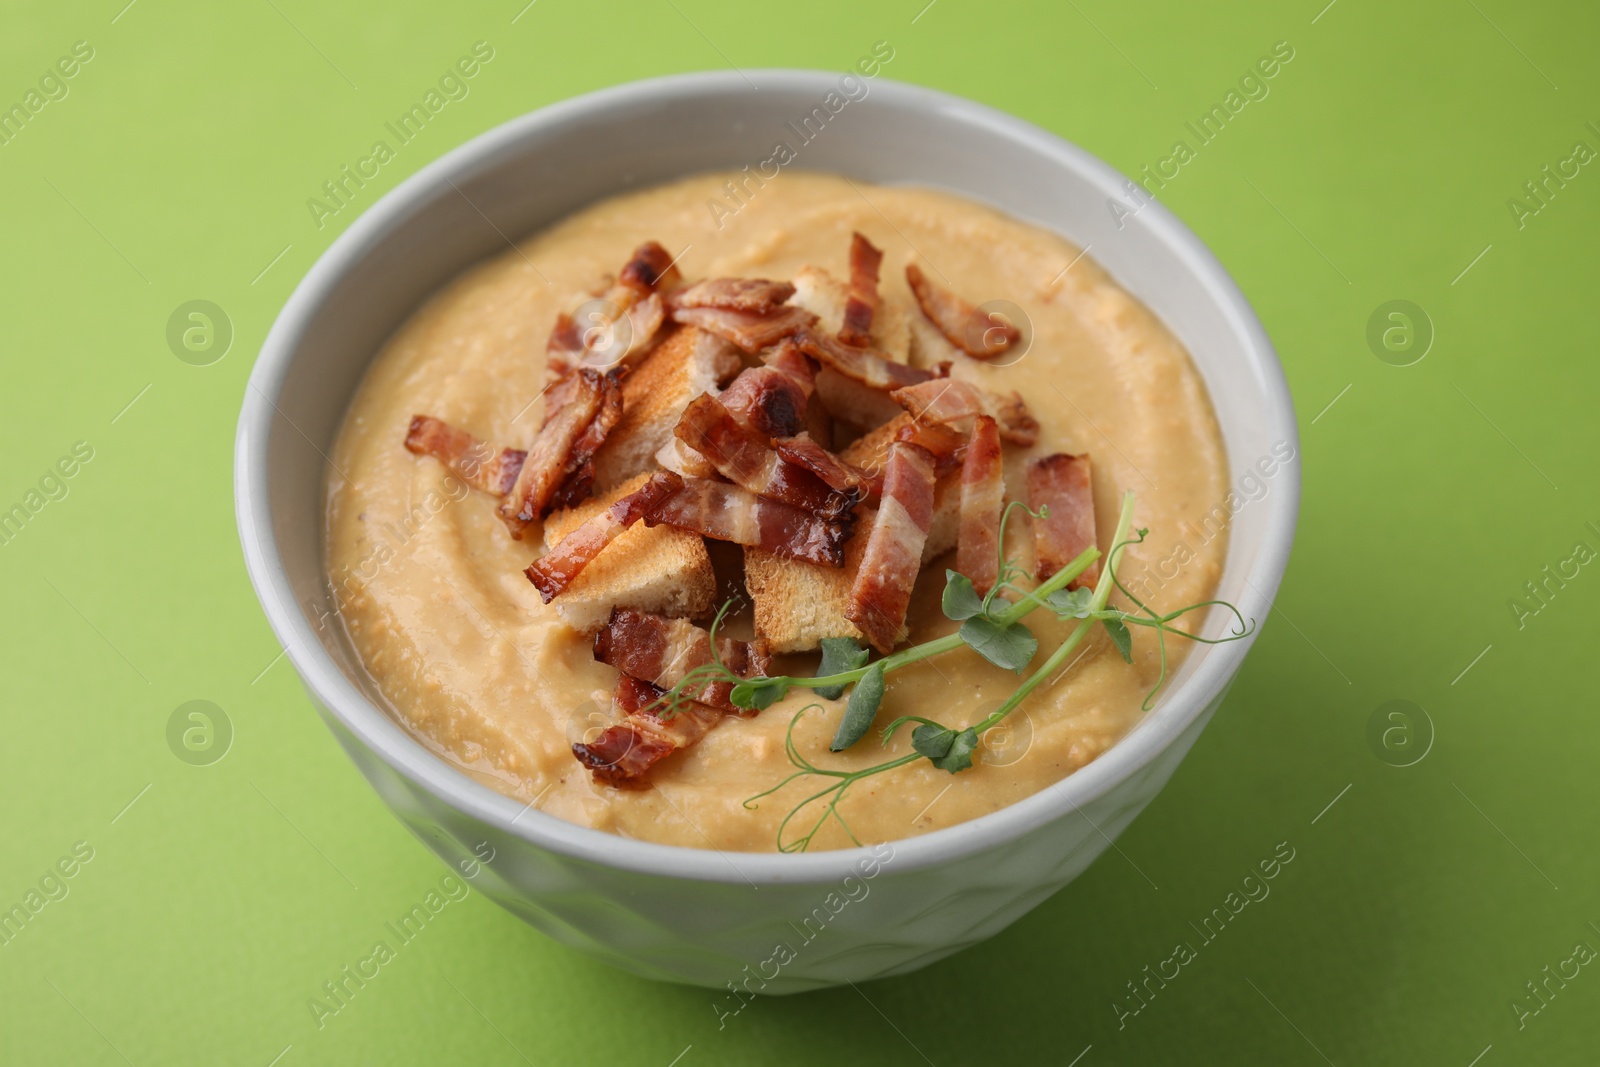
430,583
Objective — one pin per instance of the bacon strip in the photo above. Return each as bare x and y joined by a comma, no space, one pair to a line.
635,297
578,483
983,494
663,651
747,459
564,348
649,270
957,403
863,301
623,754
556,569
737,294
947,445
1063,483
768,401
803,451
732,513
860,364
547,458
881,592
963,325
750,330
477,463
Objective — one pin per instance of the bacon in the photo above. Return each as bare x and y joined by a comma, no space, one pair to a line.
623,754
556,569
1063,483
579,481
564,348
663,651
477,463
546,463
750,330
644,321
747,459
957,403
767,401
732,513
736,294
635,297
963,325
881,592
983,493
944,443
863,301
803,451
649,270
864,365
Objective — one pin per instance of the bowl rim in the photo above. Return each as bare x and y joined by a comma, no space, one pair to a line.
412,759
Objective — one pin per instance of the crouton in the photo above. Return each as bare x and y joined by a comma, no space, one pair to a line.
661,570
798,604
825,296
686,363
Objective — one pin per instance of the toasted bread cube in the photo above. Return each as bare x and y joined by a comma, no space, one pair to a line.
662,570
825,296
798,604
686,363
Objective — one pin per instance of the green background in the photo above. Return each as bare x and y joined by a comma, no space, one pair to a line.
1378,168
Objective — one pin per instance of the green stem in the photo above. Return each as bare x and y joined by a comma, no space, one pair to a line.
940,645
1058,580
1102,593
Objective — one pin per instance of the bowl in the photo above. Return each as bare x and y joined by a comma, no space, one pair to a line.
743,923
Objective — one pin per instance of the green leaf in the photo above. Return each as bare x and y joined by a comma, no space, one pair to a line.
839,654
862,709
1070,603
759,693
1120,637
1011,647
932,740
959,757
961,600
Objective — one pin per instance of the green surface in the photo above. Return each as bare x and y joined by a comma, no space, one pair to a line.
1378,168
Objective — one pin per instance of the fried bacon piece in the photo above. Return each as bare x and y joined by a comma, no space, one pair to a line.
772,399
732,513
750,330
478,464
963,325
881,592
983,494
860,364
803,451
564,348
623,754
957,403
636,297
663,651
863,301
546,464
650,269
1063,483
747,459
737,294
555,570
946,444
578,483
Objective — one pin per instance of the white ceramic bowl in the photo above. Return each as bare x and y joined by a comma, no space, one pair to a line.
690,915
